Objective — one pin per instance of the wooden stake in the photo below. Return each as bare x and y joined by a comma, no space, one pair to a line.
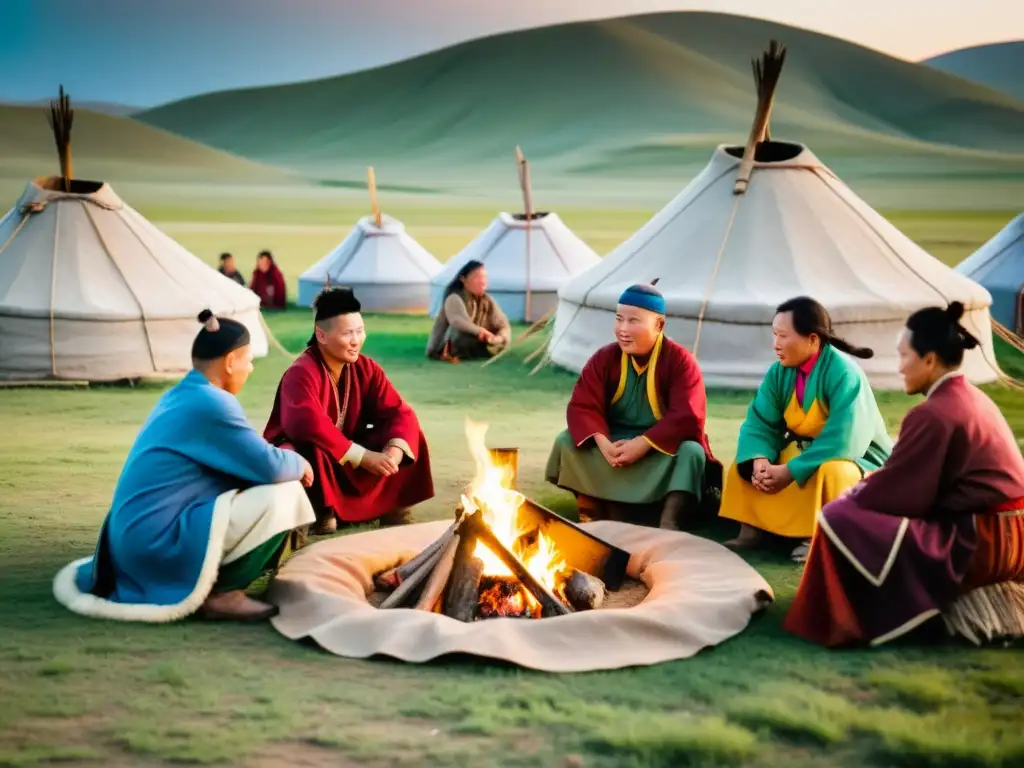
371,182
391,579
766,75
524,183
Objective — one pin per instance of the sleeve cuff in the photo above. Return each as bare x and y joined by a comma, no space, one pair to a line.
403,446
655,446
592,434
354,455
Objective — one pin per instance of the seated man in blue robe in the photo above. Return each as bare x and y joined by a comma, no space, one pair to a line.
204,505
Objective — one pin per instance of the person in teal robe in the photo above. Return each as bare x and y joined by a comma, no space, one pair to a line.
203,507
811,433
635,436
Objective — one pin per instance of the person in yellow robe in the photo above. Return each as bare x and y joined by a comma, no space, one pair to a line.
811,433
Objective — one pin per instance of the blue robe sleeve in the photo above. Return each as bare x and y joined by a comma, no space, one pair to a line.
223,440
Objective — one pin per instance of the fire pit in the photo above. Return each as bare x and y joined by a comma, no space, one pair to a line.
511,580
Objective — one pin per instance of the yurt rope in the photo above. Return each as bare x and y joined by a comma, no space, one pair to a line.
273,339
714,274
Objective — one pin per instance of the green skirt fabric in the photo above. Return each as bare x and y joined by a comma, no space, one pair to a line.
242,572
584,470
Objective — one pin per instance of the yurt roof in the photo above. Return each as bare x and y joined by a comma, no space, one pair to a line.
1000,261
86,254
372,254
798,229
556,253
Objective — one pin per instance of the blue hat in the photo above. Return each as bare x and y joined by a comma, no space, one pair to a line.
645,297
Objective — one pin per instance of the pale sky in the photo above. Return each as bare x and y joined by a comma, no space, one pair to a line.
147,52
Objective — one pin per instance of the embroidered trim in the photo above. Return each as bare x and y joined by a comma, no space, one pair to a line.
889,561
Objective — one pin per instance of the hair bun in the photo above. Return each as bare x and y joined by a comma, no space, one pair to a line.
204,316
209,321
655,281
955,311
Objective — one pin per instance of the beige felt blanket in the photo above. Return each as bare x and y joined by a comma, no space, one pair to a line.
701,594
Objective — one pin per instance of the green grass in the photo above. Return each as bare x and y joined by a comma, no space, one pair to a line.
79,690
82,691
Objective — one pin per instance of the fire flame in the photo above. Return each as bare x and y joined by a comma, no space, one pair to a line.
500,507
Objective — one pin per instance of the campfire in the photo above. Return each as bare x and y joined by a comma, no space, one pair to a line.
505,555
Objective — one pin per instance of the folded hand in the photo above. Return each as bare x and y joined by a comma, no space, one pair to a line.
775,478
379,463
307,474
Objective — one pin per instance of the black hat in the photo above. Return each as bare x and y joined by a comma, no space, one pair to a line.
218,336
331,302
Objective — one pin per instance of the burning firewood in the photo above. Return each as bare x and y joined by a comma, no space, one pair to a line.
439,576
460,599
583,591
391,579
550,605
407,590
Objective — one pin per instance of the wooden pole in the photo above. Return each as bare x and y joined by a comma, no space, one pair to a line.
766,76
371,182
61,116
524,183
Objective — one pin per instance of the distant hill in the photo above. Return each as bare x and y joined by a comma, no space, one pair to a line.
116,149
639,97
103,107
999,66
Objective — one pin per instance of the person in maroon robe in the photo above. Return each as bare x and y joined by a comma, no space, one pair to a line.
268,283
938,531
337,408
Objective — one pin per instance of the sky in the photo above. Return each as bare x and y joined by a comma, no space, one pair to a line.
148,52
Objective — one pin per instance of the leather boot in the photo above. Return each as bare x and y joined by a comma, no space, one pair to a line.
677,510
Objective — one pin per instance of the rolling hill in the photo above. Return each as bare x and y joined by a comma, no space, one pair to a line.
640,97
118,149
999,66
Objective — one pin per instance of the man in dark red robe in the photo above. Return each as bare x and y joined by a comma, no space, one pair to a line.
635,437
337,408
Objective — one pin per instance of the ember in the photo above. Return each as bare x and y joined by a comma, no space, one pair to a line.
504,556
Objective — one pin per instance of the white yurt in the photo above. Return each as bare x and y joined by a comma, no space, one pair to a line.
726,260
90,290
998,265
535,254
388,270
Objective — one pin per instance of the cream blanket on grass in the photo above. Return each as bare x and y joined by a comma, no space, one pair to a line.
701,594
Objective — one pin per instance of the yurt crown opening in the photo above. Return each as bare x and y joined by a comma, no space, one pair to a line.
78,186
770,151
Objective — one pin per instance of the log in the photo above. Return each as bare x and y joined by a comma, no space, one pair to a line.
550,605
583,591
434,589
388,580
463,593
407,589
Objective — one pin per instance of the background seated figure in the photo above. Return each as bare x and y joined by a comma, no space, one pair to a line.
811,432
268,283
939,529
636,419
470,324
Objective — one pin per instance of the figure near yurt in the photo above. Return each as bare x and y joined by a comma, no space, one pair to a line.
636,435
339,410
470,324
228,269
811,433
268,282
934,540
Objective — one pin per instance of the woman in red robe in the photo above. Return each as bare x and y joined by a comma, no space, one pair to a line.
268,283
337,408
939,529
